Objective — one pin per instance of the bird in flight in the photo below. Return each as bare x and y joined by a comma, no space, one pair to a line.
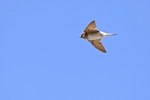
95,36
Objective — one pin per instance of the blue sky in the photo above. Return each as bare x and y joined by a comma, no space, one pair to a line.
43,57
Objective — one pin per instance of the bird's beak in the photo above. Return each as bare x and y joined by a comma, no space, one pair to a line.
81,36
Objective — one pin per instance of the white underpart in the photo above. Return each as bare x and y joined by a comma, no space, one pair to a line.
94,36
98,35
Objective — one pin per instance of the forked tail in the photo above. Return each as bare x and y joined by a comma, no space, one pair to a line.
108,34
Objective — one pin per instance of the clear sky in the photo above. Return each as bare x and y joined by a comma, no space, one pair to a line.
42,56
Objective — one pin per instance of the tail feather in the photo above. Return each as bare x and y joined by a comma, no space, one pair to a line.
108,34
112,34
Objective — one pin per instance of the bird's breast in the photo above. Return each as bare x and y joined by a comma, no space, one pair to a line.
94,36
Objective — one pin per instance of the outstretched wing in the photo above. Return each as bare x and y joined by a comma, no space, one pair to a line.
98,45
91,27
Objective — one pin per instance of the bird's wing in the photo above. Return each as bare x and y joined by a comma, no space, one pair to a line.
98,45
91,28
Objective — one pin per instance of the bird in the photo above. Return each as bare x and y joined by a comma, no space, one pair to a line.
95,36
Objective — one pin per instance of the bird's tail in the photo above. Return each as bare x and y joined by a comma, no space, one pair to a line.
108,34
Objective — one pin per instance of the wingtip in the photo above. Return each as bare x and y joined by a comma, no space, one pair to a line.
104,51
93,20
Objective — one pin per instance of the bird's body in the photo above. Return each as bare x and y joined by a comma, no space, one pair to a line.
94,36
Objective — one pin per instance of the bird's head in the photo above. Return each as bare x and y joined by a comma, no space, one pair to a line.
83,35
